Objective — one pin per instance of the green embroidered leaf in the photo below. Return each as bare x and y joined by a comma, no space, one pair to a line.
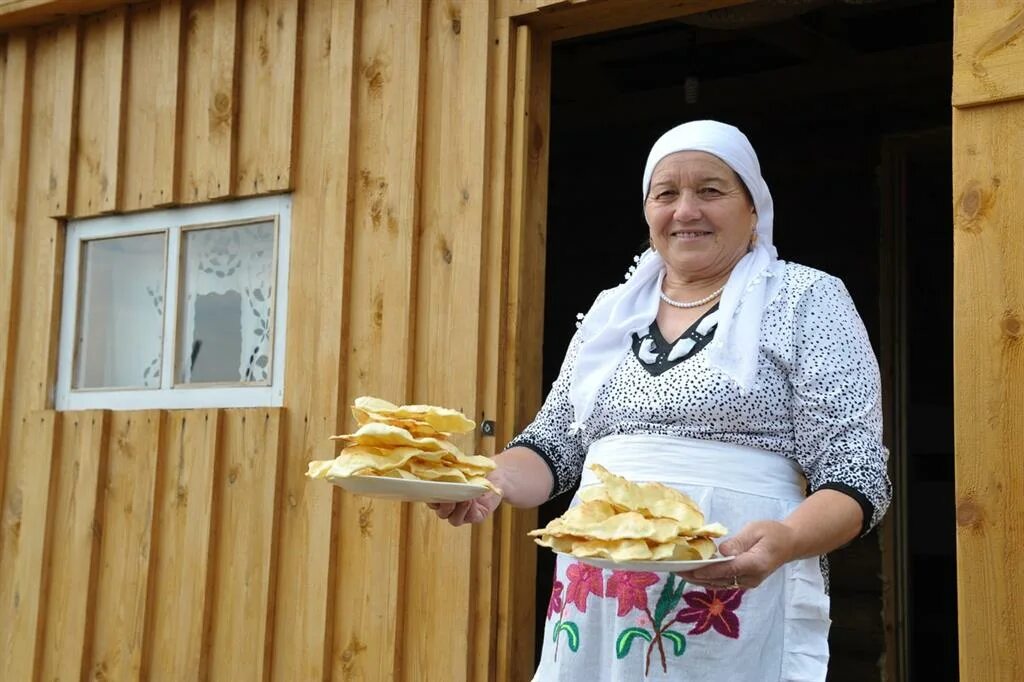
678,641
668,600
572,634
626,638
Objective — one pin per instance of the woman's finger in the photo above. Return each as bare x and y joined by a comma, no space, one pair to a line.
444,509
458,515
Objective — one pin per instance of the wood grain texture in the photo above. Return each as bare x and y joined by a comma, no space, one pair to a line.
988,361
386,137
448,317
64,41
180,605
267,95
75,530
318,304
129,503
14,13
15,99
245,554
97,160
988,52
24,562
210,100
153,99
523,316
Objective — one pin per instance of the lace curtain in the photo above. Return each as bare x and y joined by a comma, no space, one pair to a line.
230,259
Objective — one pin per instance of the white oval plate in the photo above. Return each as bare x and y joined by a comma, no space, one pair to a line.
406,490
654,566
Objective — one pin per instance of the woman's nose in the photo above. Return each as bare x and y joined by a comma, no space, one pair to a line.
687,207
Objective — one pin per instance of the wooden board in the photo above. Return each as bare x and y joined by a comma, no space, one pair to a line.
24,521
153,106
210,106
14,100
180,600
31,12
98,173
75,531
988,52
267,95
386,137
988,371
245,554
439,585
318,303
125,564
62,116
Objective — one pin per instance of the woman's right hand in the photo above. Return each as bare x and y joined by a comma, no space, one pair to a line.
470,511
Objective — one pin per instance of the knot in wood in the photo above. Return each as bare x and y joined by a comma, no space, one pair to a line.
968,514
1012,326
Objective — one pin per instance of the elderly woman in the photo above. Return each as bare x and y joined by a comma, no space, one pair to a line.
747,382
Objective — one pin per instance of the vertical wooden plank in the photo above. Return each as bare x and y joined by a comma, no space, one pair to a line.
493,357
246,511
40,242
267,95
210,107
438,586
318,302
97,160
15,107
491,631
988,362
379,354
524,319
988,53
62,117
74,557
153,105
180,601
24,525
129,500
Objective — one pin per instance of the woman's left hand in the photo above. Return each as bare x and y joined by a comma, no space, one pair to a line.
759,549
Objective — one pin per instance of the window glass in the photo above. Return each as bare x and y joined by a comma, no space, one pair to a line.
226,309
120,317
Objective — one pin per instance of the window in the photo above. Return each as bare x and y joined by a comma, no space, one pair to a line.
176,308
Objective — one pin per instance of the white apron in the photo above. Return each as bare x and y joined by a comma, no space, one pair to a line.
622,626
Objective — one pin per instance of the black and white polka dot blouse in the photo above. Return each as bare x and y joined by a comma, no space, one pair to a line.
816,398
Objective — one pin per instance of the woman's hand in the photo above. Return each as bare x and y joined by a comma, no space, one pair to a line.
471,511
759,549
825,521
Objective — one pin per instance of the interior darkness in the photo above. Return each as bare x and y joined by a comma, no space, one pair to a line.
820,89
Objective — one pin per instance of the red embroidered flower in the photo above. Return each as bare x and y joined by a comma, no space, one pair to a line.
712,608
555,603
631,589
584,580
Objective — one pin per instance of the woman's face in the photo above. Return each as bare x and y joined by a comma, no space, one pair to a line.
700,217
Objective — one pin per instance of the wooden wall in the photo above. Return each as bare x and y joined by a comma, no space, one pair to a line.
189,544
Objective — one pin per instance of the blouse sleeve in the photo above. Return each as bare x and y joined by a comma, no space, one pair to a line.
548,434
837,404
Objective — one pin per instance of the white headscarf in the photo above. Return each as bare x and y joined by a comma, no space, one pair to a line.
630,308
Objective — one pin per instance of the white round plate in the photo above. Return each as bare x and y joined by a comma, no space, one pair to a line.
654,566
408,491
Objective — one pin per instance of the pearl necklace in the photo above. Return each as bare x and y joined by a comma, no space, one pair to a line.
691,304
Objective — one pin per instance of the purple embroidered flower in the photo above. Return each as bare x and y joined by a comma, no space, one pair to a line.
630,587
555,603
584,580
712,609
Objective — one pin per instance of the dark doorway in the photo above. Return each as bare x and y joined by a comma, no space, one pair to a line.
822,90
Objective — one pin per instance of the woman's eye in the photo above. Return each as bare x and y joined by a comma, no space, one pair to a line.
666,194
709,191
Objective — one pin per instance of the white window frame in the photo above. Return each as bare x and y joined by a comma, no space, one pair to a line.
173,222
